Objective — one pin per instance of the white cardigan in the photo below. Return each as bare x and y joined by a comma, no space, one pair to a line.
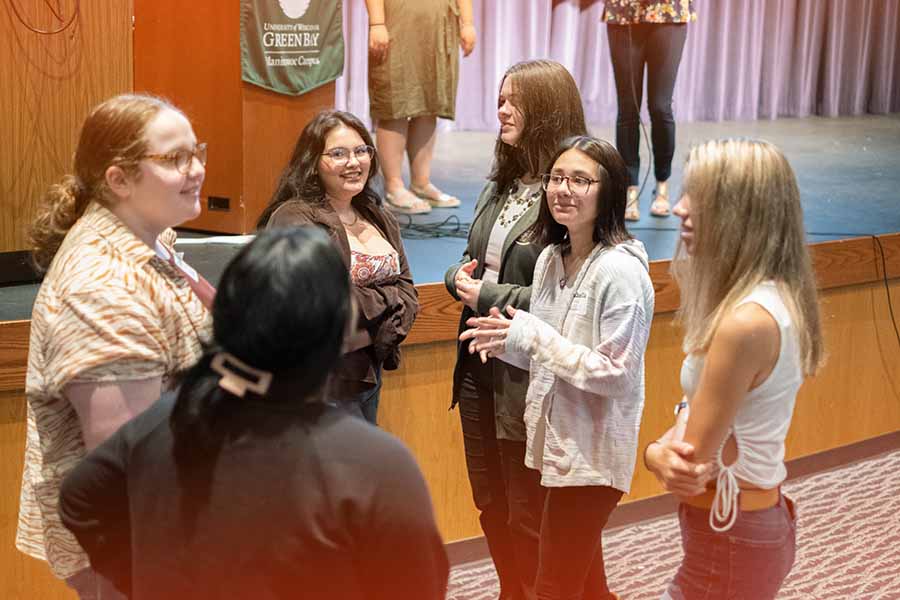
584,345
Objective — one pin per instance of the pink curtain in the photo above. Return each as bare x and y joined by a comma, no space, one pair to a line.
743,59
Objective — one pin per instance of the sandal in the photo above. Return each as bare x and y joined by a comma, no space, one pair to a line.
435,197
407,203
660,205
631,206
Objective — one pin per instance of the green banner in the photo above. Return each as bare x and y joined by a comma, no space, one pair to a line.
291,46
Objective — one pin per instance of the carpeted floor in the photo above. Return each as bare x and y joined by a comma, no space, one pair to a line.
848,542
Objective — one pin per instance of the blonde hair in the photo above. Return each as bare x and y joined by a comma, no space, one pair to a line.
748,228
112,134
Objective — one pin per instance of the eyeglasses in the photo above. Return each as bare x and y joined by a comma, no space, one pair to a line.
341,156
578,185
182,159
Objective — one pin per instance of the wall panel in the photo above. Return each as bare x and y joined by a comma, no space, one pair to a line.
47,86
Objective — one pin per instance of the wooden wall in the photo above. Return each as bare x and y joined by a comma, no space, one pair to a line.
854,398
47,86
250,131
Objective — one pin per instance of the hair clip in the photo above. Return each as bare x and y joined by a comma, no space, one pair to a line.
236,382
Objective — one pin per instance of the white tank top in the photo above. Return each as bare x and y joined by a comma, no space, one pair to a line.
763,417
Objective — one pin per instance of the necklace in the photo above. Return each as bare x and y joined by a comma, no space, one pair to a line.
351,223
517,204
575,266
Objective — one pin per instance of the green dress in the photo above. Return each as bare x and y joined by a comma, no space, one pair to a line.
420,73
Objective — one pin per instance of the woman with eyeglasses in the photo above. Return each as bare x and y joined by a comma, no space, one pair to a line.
248,483
118,313
583,340
328,182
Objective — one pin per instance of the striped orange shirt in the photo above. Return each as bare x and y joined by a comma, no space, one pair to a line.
109,309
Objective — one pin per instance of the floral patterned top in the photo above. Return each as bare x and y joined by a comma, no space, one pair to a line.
627,12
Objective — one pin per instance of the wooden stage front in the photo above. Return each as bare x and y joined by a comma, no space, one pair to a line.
855,397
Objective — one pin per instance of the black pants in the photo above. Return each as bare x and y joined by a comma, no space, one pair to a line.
507,493
571,550
659,47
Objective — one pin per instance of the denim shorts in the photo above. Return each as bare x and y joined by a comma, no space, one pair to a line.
750,560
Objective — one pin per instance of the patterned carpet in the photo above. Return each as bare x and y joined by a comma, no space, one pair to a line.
848,542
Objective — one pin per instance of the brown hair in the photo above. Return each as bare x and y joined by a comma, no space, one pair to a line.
748,228
112,134
550,103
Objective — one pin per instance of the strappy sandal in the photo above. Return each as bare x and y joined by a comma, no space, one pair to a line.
406,203
631,206
435,197
660,206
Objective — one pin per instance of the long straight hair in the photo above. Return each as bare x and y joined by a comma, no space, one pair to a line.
748,228
548,98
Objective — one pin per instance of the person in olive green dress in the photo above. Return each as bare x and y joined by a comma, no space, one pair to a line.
413,74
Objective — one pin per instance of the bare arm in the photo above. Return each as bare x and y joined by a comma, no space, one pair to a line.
467,33
742,353
379,38
103,407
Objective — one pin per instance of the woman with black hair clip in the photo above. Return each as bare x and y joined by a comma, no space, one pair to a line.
583,340
539,105
328,182
249,484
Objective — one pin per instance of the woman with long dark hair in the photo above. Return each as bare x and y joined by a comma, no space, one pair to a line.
328,182
250,483
583,340
538,106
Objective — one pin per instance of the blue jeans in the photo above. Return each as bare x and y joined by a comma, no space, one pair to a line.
364,403
751,560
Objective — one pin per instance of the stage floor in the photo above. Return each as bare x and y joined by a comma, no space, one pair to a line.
848,170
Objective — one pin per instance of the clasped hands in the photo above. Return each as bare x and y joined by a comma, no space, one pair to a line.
487,335
672,462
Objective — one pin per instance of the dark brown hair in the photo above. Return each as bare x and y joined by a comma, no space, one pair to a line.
112,134
300,178
548,98
609,226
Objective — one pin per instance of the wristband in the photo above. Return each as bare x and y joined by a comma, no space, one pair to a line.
376,24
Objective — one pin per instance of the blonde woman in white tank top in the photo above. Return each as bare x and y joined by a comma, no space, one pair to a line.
752,334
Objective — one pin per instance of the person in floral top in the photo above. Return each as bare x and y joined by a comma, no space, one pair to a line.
647,35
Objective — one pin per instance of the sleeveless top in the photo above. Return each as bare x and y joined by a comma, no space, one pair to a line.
763,417
369,269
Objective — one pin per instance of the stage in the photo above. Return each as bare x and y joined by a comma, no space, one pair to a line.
848,169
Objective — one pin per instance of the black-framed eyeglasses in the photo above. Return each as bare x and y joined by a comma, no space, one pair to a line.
182,159
577,184
341,156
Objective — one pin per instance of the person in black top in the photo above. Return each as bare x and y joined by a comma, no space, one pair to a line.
246,482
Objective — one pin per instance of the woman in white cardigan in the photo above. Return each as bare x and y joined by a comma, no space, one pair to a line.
584,342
